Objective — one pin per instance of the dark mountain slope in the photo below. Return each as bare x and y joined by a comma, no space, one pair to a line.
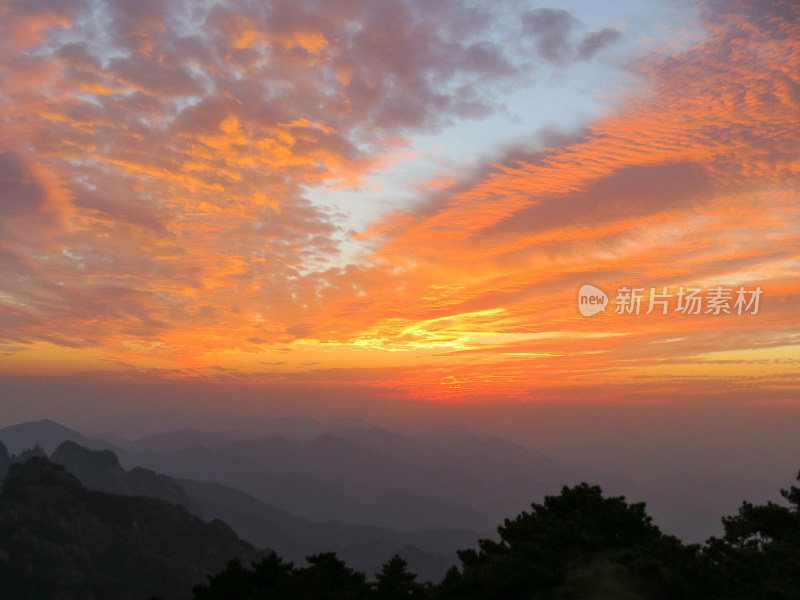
60,541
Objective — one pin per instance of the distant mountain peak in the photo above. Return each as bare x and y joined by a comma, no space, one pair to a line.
179,439
47,422
43,425
46,432
100,470
69,451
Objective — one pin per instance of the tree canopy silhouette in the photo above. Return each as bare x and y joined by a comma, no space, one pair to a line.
396,582
759,555
573,545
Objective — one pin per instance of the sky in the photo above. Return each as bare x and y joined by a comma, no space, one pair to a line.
394,200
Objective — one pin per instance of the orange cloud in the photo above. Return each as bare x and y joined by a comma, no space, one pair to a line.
160,217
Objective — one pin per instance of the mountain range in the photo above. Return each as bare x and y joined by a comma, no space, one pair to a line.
356,474
431,551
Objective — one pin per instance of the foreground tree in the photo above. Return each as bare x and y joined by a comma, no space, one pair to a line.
578,544
269,578
573,546
326,576
396,582
759,556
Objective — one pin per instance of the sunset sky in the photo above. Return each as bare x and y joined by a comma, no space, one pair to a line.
400,199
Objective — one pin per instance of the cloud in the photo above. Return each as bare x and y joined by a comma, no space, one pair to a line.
691,181
32,200
552,31
158,162
594,42
21,192
160,208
